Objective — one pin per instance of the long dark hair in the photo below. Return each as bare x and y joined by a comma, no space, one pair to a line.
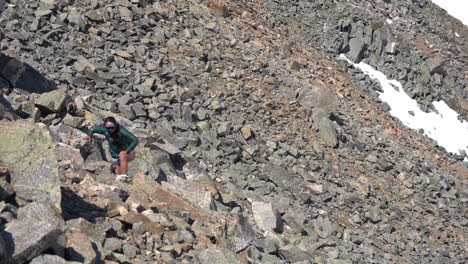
116,134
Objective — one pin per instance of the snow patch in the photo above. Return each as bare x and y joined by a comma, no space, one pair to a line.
443,126
389,21
455,8
457,35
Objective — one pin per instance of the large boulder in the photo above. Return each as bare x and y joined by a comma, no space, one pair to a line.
38,228
266,217
50,259
82,249
27,150
53,101
327,131
242,234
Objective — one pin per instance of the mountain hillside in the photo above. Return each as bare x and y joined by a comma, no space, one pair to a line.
258,144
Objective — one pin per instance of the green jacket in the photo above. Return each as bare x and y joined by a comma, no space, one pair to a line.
127,142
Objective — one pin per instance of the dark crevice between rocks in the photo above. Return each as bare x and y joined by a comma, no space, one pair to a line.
73,206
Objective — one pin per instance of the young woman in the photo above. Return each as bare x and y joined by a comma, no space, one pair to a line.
122,143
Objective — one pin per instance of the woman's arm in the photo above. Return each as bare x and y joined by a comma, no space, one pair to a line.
133,139
97,129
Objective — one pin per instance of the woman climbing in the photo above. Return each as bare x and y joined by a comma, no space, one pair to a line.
122,144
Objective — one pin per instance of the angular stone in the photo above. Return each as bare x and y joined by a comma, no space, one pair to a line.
95,15
203,126
293,254
126,14
356,50
323,227
139,109
97,232
27,149
127,111
37,229
218,255
113,244
327,131
83,64
247,131
242,235
136,218
73,121
49,259
124,54
75,18
130,251
224,129
267,218
53,101
80,248
193,192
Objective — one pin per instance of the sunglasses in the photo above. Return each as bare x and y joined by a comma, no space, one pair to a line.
110,128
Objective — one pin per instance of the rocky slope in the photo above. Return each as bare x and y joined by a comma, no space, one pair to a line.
269,150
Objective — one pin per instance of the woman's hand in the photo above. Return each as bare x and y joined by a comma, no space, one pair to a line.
90,139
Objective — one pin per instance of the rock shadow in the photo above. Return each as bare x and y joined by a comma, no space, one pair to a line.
17,74
73,206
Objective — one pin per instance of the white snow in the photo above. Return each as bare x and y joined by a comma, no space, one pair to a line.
389,21
456,8
457,35
444,127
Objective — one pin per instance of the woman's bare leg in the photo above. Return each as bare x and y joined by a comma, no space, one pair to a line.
123,168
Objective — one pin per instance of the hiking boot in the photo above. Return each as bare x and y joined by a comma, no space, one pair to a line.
122,178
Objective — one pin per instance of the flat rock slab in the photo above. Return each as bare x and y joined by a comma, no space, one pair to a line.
53,101
37,228
327,131
27,149
80,248
218,255
267,218
51,259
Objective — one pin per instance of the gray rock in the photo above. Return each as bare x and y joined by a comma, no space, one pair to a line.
53,101
127,111
139,109
356,50
327,131
48,259
219,255
126,14
27,149
95,15
267,218
113,244
323,227
292,253
243,234
130,251
37,228
75,18
223,129
82,249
